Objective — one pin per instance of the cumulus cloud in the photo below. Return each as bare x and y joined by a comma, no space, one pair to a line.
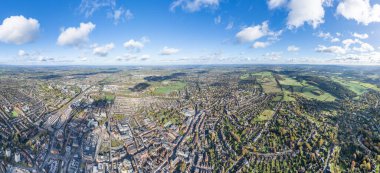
194,5
19,30
358,45
364,47
359,10
325,35
169,51
293,48
259,44
361,36
252,33
331,49
133,45
34,56
102,50
272,4
335,40
311,12
328,36
22,53
361,58
75,36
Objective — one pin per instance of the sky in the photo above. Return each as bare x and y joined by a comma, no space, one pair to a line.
178,32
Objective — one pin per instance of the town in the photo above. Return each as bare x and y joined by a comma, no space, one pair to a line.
189,119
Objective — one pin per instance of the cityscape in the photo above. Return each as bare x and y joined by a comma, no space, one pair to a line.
190,86
190,119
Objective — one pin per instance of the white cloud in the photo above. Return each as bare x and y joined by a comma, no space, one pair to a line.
218,20
335,40
127,57
144,57
75,36
331,49
22,53
88,7
348,42
325,35
259,44
19,30
364,47
44,58
272,4
253,33
102,50
145,39
120,15
360,45
169,51
359,10
293,48
128,15
133,57
133,45
361,58
230,25
306,11
361,36
194,5
273,55
35,56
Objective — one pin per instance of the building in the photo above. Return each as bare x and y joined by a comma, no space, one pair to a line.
8,152
17,157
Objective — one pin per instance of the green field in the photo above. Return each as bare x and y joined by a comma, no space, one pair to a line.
263,74
289,81
245,76
288,97
265,115
14,114
167,88
110,97
356,86
304,89
267,81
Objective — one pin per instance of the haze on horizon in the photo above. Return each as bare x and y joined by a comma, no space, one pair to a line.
175,32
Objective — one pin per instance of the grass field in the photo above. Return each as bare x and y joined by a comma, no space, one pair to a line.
263,74
356,86
267,81
245,76
109,97
168,87
304,89
14,114
288,97
265,115
289,81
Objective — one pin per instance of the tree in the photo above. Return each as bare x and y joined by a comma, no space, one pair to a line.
353,163
320,142
183,167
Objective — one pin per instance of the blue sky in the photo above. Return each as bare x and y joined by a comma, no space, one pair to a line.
148,32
